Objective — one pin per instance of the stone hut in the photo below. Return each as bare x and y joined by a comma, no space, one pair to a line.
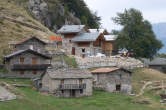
157,64
32,43
67,82
68,32
26,64
88,44
113,79
28,59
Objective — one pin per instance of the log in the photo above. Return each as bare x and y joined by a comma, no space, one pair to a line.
21,85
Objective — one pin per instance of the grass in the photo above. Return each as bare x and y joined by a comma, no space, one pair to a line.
33,100
99,101
71,61
1,22
143,74
3,71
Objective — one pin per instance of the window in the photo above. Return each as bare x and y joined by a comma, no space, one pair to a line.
83,50
34,72
21,60
119,77
62,81
21,72
31,47
62,91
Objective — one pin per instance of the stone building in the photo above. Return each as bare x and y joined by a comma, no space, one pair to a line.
88,44
26,64
28,59
113,79
157,64
32,43
81,41
67,82
68,32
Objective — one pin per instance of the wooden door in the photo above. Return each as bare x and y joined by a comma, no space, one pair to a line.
34,61
80,81
118,87
73,50
72,93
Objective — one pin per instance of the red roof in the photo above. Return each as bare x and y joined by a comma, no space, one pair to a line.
55,38
104,70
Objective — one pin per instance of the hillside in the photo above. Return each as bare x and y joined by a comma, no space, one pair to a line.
16,24
20,19
30,99
159,30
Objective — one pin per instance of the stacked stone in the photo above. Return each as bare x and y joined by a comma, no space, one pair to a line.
122,62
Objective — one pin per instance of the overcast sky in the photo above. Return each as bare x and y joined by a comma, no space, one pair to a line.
153,10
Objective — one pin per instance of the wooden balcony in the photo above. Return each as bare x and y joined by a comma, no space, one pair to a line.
30,67
72,86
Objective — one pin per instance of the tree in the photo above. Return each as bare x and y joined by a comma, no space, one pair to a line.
136,35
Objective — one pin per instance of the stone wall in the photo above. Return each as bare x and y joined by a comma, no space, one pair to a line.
66,44
121,62
108,81
88,49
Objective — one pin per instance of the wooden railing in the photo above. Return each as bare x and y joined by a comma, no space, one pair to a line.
72,86
30,67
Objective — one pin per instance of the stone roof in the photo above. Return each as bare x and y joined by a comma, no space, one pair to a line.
68,73
86,37
96,30
70,29
30,38
24,51
107,70
155,61
110,37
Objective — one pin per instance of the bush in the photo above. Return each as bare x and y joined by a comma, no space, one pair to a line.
3,71
71,61
1,21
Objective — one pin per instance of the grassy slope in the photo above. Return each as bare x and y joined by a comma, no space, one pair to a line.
32,100
10,31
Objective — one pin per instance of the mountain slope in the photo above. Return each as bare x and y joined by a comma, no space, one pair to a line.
55,13
160,31
16,24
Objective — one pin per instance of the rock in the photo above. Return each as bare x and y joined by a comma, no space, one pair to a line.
53,16
39,9
127,63
5,95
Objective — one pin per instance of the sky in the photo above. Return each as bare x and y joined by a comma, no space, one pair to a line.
153,10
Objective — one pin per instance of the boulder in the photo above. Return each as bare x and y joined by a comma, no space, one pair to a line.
5,95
